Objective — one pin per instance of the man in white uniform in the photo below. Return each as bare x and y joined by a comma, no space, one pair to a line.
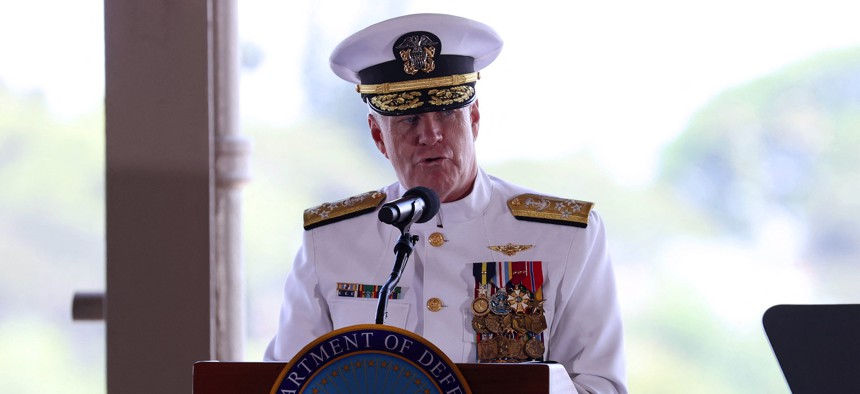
501,274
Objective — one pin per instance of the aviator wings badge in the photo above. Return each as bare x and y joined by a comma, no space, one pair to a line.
510,249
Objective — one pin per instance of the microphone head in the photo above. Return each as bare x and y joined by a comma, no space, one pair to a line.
388,214
431,202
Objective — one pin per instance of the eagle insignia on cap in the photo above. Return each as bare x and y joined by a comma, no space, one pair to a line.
536,208
417,53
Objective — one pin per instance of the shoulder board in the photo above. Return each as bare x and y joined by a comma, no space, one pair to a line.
331,212
537,208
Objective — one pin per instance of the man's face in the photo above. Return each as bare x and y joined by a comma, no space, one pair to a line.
433,149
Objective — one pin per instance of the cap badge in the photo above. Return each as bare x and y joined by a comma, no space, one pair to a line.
417,53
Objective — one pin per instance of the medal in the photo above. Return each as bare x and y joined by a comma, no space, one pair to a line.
535,324
507,324
483,273
518,324
507,311
518,349
499,302
494,324
534,348
519,299
481,304
536,321
504,346
488,350
479,324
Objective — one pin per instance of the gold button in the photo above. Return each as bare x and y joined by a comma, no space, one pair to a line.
436,239
434,304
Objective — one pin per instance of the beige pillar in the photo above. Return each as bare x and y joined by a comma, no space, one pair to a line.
231,172
159,193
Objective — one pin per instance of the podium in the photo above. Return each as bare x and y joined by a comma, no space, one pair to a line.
372,358
214,377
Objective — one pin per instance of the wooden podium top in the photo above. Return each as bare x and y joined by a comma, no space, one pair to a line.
214,377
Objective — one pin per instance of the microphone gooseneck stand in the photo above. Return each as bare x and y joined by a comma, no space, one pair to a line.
417,205
402,250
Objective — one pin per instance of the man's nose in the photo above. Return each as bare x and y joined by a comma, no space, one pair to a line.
431,132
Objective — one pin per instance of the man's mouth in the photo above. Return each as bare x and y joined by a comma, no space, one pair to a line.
431,160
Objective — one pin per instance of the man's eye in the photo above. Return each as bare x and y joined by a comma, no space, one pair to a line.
411,119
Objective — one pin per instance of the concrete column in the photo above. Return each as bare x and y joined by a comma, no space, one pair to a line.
159,193
231,172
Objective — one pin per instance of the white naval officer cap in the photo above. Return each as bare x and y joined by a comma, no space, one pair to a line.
417,63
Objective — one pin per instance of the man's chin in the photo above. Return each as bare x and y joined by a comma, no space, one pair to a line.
447,191
437,187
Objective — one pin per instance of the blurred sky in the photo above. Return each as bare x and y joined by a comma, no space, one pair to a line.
616,79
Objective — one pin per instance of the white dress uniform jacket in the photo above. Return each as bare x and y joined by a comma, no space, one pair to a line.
584,327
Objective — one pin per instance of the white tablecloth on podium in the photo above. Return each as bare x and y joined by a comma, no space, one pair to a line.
559,380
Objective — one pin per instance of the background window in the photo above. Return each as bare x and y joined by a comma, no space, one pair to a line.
716,139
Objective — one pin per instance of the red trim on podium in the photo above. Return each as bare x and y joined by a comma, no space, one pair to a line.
214,377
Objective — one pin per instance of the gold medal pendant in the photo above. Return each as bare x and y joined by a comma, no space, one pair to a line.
494,324
535,323
479,324
518,324
505,344
536,320
507,324
488,350
534,348
519,349
481,306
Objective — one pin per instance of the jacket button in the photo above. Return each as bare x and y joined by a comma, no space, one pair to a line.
434,304
436,239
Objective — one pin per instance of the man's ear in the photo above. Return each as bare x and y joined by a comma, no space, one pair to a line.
475,116
376,134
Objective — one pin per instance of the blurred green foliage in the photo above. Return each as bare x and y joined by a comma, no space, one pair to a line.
785,144
51,245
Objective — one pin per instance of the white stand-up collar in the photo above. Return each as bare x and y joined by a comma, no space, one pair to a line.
466,208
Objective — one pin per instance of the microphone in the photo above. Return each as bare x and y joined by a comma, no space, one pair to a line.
417,205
